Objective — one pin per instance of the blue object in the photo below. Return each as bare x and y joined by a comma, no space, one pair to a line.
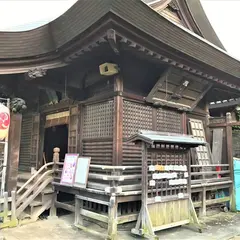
236,167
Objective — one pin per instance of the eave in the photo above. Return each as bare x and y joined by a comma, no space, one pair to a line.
142,28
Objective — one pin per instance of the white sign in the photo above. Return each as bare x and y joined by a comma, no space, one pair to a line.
82,170
69,168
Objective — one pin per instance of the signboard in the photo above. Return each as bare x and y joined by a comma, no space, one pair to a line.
4,121
69,169
82,170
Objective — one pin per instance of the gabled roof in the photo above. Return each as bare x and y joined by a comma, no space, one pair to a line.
194,11
188,13
131,16
154,137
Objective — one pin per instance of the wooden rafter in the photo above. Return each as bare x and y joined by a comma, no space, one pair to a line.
172,62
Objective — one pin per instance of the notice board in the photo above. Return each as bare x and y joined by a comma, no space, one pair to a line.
82,170
69,169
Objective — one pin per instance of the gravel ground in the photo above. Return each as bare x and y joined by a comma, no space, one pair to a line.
222,226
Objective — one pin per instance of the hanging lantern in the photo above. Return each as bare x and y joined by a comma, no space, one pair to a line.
4,121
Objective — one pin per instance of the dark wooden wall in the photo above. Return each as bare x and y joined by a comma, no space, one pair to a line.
139,116
97,132
106,112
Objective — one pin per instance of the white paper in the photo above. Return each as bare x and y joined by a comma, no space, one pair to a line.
158,199
151,168
180,195
152,183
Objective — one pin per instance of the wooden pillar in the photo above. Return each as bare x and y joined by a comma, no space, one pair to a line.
230,159
118,122
154,119
207,122
13,151
184,123
53,209
112,218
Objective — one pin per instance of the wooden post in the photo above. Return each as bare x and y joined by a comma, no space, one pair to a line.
184,123
53,210
207,122
230,159
144,186
118,122
56,152
112,218
13,151
78,208
5,207
203,209
14,221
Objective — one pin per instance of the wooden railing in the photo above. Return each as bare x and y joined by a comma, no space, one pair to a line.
8,216
207,178
33,187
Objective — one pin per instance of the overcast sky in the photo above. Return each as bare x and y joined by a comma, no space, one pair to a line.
18,14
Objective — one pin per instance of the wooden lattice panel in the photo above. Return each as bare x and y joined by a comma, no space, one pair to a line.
197,130
136,117
170,155
100,152
168,121
98,120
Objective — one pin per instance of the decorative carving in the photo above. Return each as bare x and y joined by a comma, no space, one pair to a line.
18,105
37,72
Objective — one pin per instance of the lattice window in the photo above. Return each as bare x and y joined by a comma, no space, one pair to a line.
136,117
98,120
168,121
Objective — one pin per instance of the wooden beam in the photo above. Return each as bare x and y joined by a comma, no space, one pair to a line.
118,122
212,201
65,206
230,158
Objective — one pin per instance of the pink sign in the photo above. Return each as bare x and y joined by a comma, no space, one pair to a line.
69,169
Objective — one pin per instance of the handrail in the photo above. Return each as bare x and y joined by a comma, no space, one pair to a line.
28,191
210,165
23,206
34,176
106,167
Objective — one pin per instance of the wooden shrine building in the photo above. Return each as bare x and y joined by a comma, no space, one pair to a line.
104,70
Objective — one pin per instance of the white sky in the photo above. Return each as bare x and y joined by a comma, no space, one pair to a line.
24,14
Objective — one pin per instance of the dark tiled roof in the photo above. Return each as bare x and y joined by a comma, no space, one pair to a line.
77,19
85,13
25,44
166,32
199,16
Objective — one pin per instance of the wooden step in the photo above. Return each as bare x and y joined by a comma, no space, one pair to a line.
24,215
35,203
23,176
